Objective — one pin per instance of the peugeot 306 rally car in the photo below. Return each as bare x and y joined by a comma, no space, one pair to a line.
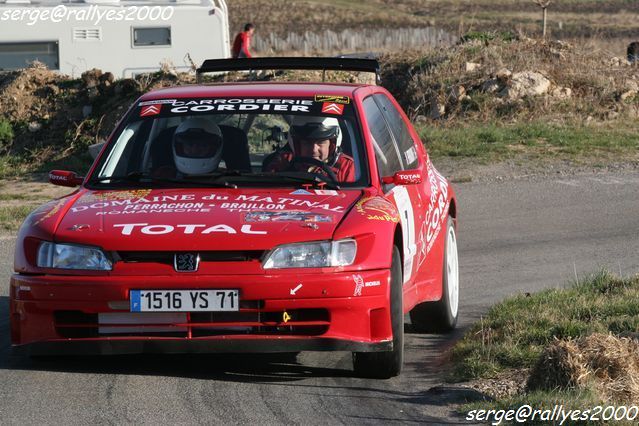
245,217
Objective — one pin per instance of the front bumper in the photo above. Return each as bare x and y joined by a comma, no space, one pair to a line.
115,346
330,312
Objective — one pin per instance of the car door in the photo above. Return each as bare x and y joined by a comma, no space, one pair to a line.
387,157
422,195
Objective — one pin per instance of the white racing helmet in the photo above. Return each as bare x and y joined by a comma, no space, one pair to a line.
315,128
197,146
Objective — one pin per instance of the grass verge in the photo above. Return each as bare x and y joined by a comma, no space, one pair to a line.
11,217
491,142
515,334
19,197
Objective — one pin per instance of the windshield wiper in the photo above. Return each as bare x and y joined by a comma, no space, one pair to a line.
296,177
131,177
145,177
318,179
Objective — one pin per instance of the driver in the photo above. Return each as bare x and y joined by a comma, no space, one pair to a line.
197,149
317,138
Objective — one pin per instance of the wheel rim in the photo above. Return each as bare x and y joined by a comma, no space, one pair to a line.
452,272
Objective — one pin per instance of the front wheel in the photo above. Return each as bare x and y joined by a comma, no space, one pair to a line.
441,316
384,365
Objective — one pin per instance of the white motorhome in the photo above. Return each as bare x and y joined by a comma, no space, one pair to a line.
126,37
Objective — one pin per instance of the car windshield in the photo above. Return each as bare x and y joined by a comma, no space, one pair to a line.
236,142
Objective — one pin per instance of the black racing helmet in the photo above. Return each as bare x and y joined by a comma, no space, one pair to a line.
314,129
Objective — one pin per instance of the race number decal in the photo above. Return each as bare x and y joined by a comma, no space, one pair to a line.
407,219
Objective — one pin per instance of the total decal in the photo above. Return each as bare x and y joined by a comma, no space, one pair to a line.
187,229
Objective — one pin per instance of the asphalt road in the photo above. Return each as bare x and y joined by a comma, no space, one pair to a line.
514,236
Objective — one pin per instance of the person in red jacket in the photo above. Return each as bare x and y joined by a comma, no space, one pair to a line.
317,138
242,42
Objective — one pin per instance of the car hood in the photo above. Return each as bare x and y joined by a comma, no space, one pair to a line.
203,219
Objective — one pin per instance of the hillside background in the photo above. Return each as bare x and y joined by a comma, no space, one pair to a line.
475,77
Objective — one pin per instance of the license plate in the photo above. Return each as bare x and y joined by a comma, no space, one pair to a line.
184,300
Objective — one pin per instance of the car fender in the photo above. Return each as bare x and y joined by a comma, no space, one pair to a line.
40,225
372,221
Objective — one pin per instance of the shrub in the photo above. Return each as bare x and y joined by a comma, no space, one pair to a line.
6,135
487,36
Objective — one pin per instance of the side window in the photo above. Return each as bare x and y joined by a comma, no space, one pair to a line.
400,131
152,36
385,151
17,55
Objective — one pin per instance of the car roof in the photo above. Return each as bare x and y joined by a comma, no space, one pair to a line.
262,89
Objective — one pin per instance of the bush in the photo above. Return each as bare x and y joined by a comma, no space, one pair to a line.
6,135
487,36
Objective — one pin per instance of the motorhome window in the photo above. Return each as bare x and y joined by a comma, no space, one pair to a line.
159,36
20,55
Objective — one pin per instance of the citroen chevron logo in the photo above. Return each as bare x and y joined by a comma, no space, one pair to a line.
150,110
332,108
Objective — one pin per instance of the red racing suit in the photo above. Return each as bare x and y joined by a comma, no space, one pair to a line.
241,45
344,167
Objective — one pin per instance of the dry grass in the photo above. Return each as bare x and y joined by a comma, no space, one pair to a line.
560,366
579,344
611,23
282,17
12,216
329,43
595,78
18,197
607,363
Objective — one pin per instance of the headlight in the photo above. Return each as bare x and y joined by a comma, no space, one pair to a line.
68,256
312,255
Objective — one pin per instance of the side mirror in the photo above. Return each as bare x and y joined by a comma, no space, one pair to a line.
404,177
65,178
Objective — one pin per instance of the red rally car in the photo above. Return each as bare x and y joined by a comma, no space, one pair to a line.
245,217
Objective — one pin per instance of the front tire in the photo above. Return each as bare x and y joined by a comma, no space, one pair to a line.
384,365
441,316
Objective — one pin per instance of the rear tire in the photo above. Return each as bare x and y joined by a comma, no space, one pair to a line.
384,365
441,316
